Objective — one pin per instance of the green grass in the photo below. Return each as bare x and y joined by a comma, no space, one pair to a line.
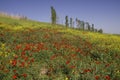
31,50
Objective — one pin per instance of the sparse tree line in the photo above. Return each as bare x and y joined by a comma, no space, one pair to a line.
69,22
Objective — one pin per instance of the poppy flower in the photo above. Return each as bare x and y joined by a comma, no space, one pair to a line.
53,57
107,77
67,62
97,77
24,75
15,56
87,70
23,53
14,76
22,64
26,58
72,67
14,62
18,47
32,60
14,71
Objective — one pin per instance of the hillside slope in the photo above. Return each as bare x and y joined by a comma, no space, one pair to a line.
34,50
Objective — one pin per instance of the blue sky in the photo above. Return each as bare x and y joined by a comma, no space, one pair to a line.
104,14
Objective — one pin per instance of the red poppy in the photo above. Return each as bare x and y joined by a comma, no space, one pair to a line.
27,47
79,50
22,64
15,56
107,65
107,77
23,56
53,57
87,70
26,58
14,76
67,62
73,55
72,67
14,62
97,77
23,53
6,70
97,62
24,75
14,71
29,62
32,60
18,47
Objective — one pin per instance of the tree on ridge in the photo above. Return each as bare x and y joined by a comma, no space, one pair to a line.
53,15
66,21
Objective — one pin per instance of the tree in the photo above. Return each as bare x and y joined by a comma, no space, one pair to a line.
71,22
77,24
82,24
66,21
100,31
92,28
88,26
95,30
53,15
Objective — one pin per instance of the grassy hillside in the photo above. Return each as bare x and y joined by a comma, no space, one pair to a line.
31,50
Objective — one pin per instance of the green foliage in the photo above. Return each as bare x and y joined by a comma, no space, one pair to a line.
82,25
66,21
71,22
53,15
100,31
92,28
88,26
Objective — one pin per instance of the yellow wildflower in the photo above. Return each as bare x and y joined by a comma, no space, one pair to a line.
66,78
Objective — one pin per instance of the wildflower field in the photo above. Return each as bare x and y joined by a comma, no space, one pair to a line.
31,50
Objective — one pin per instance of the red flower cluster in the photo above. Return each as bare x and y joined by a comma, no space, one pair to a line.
18,47
14,62
87,70
21,60
107,77
97,77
